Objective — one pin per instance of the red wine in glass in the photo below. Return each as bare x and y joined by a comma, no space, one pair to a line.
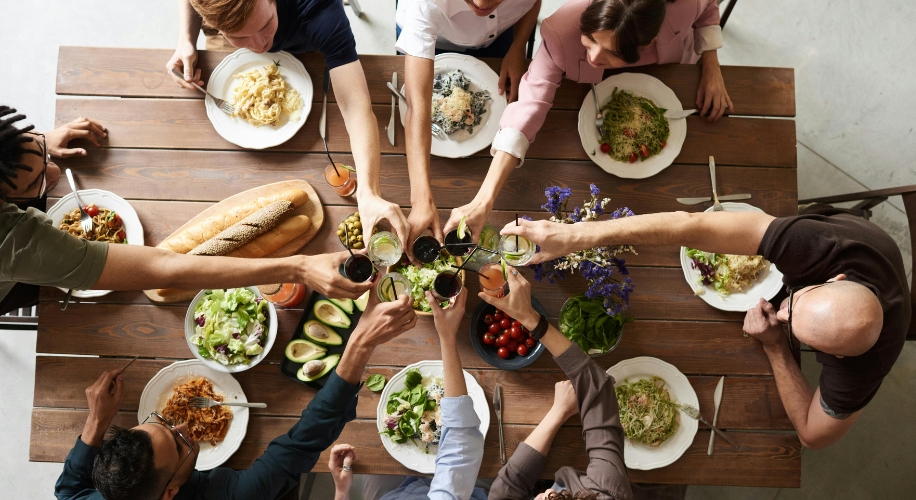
447,285
357,268
426,248
456,246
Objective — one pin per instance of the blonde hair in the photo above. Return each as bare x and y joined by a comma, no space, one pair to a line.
227,16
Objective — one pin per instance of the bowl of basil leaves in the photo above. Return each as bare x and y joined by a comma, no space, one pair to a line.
586,323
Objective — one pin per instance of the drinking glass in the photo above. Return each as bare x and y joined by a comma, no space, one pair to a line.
340,179
516,250
492,281
385,249
392,287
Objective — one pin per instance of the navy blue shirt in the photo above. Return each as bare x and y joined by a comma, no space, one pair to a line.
315,26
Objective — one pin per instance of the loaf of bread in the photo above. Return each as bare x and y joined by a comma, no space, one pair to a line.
196,234
245,230
275,239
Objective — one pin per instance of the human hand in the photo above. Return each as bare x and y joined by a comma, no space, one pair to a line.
476,212
554,238
762,324
340,463
185,61
422,216
565,403
320,273
512,69
103,402
383,321
517,303
81,128
372,209
712,98
447,320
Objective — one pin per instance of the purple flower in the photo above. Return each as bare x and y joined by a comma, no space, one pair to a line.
594,189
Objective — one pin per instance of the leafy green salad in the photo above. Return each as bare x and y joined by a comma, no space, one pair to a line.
414,414
586,322
231,326
422,278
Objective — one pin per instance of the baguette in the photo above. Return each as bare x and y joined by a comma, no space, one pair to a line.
198,233
244,231
275,239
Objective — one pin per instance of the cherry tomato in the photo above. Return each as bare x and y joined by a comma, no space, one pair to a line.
488,319
605,148
507,333
515,332
632,157
517,323
629,133
494,327
91,210
503,340
643,150
664,143
505,323
115,221
498,311
488,339
513,345
503,353
524,330
530,343
497,317
122,235
522,350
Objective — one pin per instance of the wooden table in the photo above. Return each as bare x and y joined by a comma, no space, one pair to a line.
163,155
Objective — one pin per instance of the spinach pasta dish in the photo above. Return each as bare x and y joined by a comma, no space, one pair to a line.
455,106
634,127
647,413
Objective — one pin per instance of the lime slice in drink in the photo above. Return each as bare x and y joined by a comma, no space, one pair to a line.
347,167
502,262
462,226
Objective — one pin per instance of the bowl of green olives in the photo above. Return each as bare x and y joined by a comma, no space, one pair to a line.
352,228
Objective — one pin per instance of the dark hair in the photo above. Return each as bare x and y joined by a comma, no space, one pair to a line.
634,23
566,495
12,140
124,468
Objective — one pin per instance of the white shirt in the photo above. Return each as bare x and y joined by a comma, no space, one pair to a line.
452,25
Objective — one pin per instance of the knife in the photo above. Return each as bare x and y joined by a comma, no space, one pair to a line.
677,115
394,103
716,399
728,197
498,406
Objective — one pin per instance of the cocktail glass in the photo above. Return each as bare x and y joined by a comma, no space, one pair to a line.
489,238
492,280
426,248
385,249
357,268
341,179
516,250
392,287
447,285
458,247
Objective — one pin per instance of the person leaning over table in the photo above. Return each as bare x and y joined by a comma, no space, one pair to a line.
33,252
580,41
299,26
155,460
460,443
478,28
848,296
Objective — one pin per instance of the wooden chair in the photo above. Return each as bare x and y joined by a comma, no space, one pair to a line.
870,199
20,319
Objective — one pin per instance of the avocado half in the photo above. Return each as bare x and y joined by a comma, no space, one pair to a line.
345,304
362,302
330,314
302,351
320,333
329,363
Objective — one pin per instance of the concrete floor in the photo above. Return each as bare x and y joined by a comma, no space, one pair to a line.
855,106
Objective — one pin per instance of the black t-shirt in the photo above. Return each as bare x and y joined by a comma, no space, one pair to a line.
816,246
315,26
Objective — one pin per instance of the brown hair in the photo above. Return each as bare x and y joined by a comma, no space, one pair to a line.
566,495
634,23
228,16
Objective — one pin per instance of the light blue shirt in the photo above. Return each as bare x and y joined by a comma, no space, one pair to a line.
458,461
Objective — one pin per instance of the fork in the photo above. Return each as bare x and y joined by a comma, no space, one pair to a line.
599,117
208,403
695,414
435,129
224,106
716,207
85,219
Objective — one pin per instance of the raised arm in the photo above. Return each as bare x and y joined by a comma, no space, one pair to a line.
185,57
721,232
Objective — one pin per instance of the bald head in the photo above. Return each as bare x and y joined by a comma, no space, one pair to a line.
843,319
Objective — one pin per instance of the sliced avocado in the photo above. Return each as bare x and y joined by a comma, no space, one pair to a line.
302,351
318,368
330,314
320,333
345,304
362,302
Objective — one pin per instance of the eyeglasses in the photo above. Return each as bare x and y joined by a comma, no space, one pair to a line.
174,430
43,177
792,291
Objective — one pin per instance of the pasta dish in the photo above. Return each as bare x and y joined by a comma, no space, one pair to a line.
727,273
455,106
263,95
107,225
204,424
647,413
634,127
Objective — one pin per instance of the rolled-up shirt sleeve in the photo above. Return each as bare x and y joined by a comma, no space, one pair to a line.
460,451
418,30
707,35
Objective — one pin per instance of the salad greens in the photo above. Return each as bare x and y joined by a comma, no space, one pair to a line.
413,413
231,326
422,278
647,413
376,382
586,322
713,268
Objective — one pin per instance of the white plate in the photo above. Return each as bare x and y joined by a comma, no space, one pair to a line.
189,325
409,454
160,388
642,456
102,199
237,130
767,285
460,143
644,86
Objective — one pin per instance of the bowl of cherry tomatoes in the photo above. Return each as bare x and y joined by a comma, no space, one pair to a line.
501,340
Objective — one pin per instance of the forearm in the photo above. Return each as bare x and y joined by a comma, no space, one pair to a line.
794,391
354,361
189,22
453,372
501,168
541,438
352,95
524,26
710,61
418,88
553,340
94,431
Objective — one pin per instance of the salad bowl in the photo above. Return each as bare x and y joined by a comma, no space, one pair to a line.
414,276
195,318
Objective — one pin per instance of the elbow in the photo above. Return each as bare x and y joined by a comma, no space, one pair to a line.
817,442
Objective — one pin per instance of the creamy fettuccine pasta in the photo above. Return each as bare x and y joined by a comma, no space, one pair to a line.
263,96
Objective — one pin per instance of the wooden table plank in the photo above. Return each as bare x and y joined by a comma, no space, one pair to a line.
766,459
121,72
183,124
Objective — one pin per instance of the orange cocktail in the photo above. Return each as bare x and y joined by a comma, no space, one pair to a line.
340,179
492,280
